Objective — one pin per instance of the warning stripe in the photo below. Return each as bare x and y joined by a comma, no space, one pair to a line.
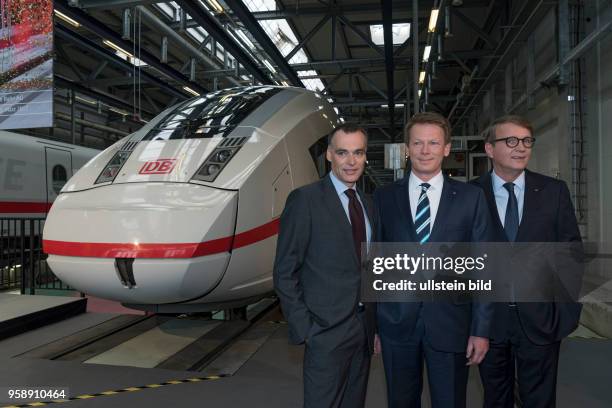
15,207
164,250
120,391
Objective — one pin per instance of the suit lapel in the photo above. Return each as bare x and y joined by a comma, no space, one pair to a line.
487,184
532,191
368,208
444,209
403,204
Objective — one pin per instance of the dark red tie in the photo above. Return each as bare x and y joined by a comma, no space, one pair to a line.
357,221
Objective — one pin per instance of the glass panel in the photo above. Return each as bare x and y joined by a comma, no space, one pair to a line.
215,114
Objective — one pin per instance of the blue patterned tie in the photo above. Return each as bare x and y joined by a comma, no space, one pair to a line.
511,222
422,219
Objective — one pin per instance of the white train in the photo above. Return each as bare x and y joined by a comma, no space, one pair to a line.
33,171
183,215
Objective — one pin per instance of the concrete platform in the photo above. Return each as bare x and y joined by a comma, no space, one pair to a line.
20,313
262,374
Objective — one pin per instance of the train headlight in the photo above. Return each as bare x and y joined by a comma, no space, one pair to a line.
212,169
222,156
112,168
218,159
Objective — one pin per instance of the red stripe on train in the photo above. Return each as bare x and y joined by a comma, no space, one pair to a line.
169,250
13,207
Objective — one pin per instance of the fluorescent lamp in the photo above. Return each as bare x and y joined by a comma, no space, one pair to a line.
215,4
433,20
426,53
422,77
117,48
119,111
270,67
246,40
67,19
191,91
87,101
397,105
284,83
420,91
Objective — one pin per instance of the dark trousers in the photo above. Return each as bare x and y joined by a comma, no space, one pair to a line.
447,373
535,367
336,368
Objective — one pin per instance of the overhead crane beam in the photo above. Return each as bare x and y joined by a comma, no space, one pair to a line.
111,100
105,32
109,56
151,19
214,28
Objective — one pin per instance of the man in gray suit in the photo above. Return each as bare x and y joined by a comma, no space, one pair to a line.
317,276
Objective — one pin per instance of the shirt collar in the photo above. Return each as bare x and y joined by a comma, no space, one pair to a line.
436,182
498,182
338,185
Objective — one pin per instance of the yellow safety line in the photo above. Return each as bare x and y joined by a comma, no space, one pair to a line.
115,392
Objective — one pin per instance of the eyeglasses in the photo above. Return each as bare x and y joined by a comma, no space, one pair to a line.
513,141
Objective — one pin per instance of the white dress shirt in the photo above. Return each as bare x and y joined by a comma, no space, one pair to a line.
344,199
433,194
501,195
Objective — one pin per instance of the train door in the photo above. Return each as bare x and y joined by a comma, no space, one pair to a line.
58,165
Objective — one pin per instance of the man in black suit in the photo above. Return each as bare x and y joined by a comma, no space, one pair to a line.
317,276
525,207
424,207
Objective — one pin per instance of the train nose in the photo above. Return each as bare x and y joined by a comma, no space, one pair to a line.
145,243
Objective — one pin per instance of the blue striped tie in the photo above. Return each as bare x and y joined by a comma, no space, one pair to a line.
422,219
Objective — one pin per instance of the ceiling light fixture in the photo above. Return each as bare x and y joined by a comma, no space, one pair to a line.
191,91
215,4
426,53
422,77
117,48
270,67
433,20
67,19
244,38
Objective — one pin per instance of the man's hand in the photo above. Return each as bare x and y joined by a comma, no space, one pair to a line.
377,345
477,348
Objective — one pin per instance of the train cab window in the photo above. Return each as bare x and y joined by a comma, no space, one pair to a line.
317,153
59,177
215,114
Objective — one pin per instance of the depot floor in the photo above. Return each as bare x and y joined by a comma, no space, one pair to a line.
270,377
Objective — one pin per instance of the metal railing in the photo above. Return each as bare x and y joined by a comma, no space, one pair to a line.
23,264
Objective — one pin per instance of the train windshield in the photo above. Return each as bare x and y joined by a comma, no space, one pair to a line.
215,114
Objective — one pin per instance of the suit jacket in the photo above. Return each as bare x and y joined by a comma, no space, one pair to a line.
317,275
462,217
548,216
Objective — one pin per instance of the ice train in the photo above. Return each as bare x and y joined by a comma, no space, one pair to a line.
33,171
183,214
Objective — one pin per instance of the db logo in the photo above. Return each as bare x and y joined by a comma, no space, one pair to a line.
160,166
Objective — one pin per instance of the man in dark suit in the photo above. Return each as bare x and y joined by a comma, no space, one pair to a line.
424,207
317,276
525,207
